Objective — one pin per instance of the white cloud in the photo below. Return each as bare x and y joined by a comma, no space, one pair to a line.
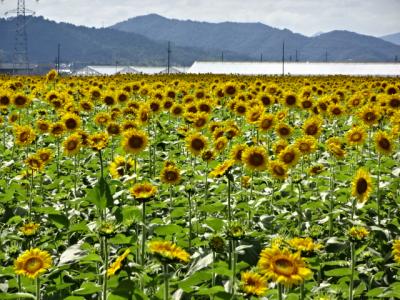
303,16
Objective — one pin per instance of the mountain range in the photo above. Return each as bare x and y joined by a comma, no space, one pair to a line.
393,38
143,41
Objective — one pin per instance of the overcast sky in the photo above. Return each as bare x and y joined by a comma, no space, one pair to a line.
373,17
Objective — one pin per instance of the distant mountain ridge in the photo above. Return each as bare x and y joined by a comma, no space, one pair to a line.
96,46
254,39
393,38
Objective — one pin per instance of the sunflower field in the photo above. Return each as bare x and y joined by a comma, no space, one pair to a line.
199,187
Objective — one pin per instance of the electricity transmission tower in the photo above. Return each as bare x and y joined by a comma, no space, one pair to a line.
20,53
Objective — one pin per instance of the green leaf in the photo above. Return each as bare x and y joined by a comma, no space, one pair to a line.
60,221
6,296
87,288
100,195
338,272
168,229
75,298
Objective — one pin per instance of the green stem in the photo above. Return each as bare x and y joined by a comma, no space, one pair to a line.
229,202
378,196
166,283
302,291
58,157
101,164
75,174
280,291
31,196
353,265
37,288
190,220
143,232
105,252
233,268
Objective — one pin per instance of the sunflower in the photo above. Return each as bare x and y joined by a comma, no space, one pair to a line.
266,122
143,114
168,252
220,144
196,143
283,267
230,89
109,99
304,244
283,130
279,146
170,174
396,251
86,105
21,101
43,125
383,143
5,100
134,141
253,284
336,147
116,265
72,145
98,141
45,155
32,263
369,114
237,151
358,233
222,168
336,110
306,145
362,185
253,114
289,156
176,109
316,169
143,191
120,166
200,120
24,135
313,126
265,99
113,129
34,162
290,100
356,135
278,169
71,121
57,129
255,158
207,155
29,229
241,108
51,75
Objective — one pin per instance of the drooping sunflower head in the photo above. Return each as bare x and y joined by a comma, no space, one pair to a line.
305,245
222,168
102,118
34,163
282,266
358,233
143,191
396,251
168,252
32,263
45,155
383,143
336,147
362,185
24,135
29,229
134,141
57,129
313,126
255,158
121,166
253,284
237,152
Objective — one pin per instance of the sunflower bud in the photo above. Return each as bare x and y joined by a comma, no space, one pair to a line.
217,244
107,229
235,231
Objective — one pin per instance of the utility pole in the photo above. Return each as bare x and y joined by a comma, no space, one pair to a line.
169,57
58,57
396,59
297,58
20,53
261,57
326,55
222,56
283,58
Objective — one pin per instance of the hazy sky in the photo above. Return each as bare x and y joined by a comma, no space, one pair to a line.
373,17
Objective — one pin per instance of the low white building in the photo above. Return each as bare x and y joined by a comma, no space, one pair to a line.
114,70
295,68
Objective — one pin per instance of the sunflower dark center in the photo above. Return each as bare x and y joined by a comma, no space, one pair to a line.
24,136
256,159
284,131
384,143
395,103
71,123
265,124
355,137
312,129
288,157
290,100
307,104
171,175
71,145
370,116
266,100
135,142
197,144
284,266
336,111
33,264
279,170
230,90
4,100
362,186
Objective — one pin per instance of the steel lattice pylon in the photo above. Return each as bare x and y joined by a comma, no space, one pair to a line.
20,53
